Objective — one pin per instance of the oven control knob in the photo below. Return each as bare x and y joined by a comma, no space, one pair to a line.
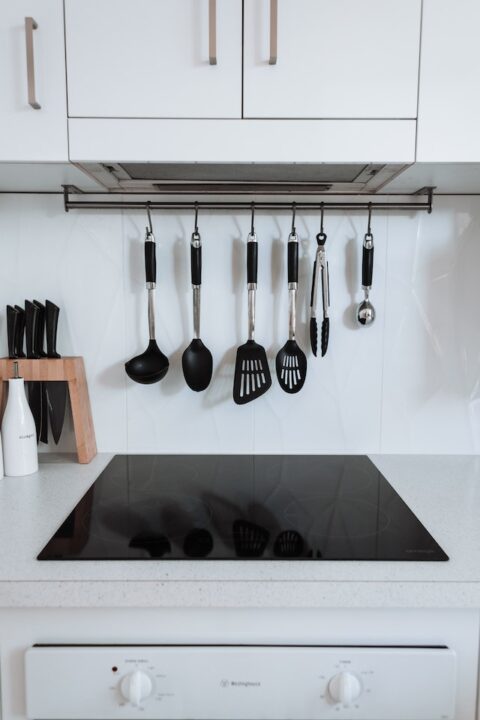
135,687
344,688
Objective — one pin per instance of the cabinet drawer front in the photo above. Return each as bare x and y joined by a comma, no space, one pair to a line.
28,133
335,59
232,141
150,58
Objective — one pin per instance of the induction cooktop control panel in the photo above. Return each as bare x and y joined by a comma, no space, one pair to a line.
240,682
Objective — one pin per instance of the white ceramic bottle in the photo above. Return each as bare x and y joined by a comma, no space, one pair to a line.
19,437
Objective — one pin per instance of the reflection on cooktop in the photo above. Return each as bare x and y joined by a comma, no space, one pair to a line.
241,507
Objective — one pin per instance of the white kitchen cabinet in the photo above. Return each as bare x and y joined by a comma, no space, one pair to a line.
151,58
32,134
449,98
335,59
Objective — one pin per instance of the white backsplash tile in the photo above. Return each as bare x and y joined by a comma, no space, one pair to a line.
409,383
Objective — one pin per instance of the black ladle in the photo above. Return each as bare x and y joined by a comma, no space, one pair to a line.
152,365
197,360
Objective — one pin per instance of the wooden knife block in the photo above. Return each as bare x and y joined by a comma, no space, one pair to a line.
72,371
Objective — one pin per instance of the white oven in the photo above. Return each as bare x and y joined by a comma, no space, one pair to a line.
239,664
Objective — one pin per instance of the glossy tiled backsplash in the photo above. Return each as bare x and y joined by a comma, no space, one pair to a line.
408,384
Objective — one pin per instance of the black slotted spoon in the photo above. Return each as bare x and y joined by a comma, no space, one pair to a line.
252,374
291,363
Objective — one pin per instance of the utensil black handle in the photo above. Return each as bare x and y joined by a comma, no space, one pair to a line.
252,260
31,320
293,261
40,334
367,261
12,320
196,261
20,332
52,312
150,261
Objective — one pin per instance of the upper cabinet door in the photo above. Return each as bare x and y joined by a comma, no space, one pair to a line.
449,98
331,58
154,58
33,104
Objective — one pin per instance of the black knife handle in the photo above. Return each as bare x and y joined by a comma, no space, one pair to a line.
367,261
31,320
52,312
20,334
196,259
12,321
293,260
150,260
252,260
40,334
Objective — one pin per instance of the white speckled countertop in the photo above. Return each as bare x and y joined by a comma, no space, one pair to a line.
443,491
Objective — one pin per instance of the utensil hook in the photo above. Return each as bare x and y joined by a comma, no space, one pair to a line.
369,226
294,212
150,227
321,237
252,221
195,229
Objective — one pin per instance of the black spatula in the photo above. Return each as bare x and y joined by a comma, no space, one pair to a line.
250,540
291,363
252,374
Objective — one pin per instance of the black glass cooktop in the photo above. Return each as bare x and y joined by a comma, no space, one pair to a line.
241,507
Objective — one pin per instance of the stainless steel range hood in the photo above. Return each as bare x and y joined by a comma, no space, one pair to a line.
259,178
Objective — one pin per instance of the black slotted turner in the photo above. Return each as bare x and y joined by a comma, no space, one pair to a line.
252,374
250,540
291,363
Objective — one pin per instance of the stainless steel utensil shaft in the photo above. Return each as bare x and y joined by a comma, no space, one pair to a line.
252,288
151,312
313,307
292,310
325,289
196,310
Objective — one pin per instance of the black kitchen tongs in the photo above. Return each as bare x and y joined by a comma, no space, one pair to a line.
320,265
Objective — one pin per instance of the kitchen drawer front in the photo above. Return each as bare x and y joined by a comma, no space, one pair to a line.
343,141
31,134
335,59
150,58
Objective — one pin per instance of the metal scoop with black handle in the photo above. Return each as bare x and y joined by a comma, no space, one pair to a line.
197,362
291,363
152,365
252,374
366,311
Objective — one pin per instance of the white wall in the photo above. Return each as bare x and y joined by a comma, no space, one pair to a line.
409,383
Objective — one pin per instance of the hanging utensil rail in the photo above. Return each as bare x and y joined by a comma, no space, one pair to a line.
236,205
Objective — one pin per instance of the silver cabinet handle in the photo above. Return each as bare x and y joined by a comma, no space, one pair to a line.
30,26
212,31
273,31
